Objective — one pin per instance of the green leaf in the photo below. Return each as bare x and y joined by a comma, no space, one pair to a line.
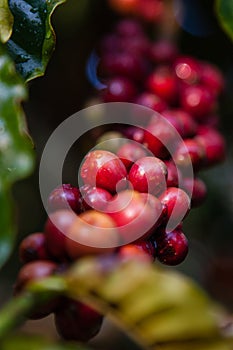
224,11
33,38
6,21
29,342
157,307
16,154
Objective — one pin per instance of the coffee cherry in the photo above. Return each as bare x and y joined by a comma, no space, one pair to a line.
173,174
129,28
95,197
77,321
198,190
119,89
34,271
212,78
177,202
162,52
213,144
56,229
134,133
33,247
162,82
151,101
148,174
144,250
130,152
102,169
64,196
172,247
158,137
198,101
134,215
182,121
91,233
122,64
190,153
187,69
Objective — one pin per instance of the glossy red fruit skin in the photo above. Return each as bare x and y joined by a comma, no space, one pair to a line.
177,202
159,136
212,78
33,247
172,247
34,271
190,150
63,196
56,237
123,64
95,198
134,133
144,250
187,69
135,215
198,101
130,152
213,143
182,121
102,169
163,52
148,174
162,82
151,101
173,174
77,321
198,189
87,235
119,89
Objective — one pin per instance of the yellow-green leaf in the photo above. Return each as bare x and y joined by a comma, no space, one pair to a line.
6,21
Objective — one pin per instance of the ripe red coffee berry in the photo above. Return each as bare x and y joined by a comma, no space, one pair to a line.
212,78
119,89
163,52
56,228
182,121
163,83
190,153
173,174
187,69
64,196
103,169
77,321
213,143
34,271
148,174
33,247
151,101
198,101
172,247
92,232
134,215
130,152
198,189
178,204
95,197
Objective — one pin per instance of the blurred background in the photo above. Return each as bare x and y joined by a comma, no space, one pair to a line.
65,89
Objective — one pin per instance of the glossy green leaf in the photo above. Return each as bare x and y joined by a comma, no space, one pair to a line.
16,154
33,38
6,21
157,307
28,342
224,11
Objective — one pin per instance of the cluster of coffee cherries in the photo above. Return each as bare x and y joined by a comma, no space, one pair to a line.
128,198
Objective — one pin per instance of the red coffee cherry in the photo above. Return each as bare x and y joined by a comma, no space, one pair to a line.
172,247
103,169
144,250
190,153
148,174
33,247
63,196
130,152
198,190
77,321
87,235
95,197
119,89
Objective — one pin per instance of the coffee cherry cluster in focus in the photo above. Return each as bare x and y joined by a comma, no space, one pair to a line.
128,197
